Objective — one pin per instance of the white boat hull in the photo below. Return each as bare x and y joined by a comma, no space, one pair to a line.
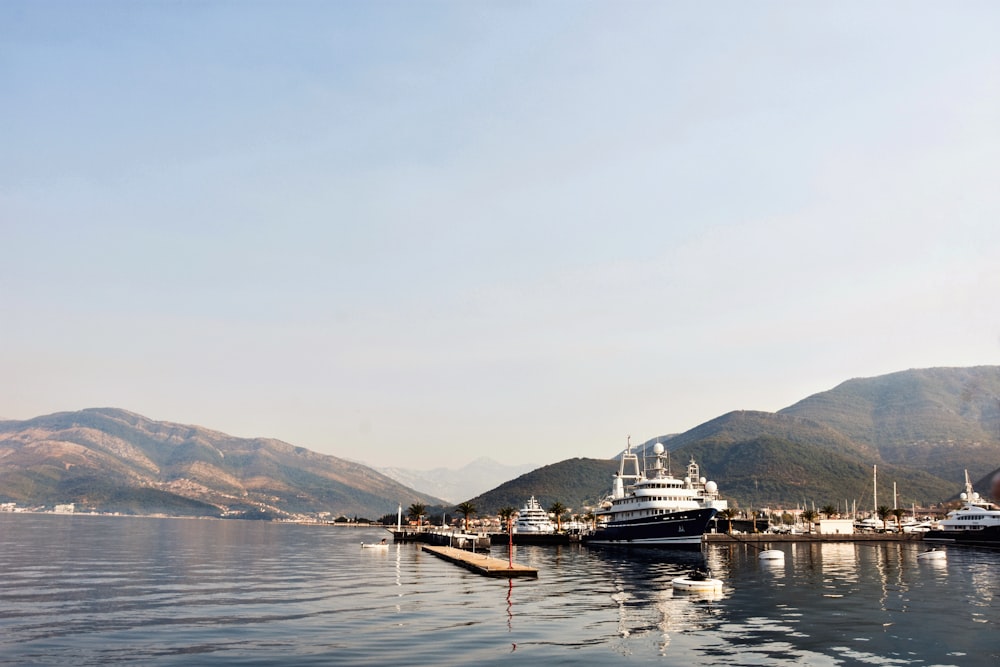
688,584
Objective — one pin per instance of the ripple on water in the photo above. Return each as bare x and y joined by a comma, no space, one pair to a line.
173,592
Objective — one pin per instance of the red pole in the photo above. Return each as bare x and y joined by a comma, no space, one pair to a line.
510,545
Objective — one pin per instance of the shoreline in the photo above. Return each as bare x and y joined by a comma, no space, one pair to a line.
757,538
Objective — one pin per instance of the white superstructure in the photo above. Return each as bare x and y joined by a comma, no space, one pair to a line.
976,513
533,519
651,506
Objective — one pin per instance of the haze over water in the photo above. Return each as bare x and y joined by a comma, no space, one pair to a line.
101,590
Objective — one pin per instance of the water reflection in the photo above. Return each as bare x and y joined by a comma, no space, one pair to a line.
75,590
648,605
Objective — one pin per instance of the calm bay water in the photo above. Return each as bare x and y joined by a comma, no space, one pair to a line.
88,590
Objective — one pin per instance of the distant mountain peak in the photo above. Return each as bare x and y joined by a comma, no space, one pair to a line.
109,458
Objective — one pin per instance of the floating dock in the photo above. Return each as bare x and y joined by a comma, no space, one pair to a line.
481,563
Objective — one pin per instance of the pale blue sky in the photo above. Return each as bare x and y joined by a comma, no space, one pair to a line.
417,233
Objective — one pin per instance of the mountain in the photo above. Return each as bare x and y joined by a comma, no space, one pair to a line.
940,420
455,485
575,483
115,460
922,428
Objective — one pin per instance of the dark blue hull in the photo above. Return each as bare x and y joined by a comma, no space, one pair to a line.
987,537
682,528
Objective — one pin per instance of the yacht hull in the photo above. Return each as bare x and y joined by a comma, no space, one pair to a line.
987,537
680,528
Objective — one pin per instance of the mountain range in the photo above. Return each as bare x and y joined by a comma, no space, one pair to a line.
114,460
922,429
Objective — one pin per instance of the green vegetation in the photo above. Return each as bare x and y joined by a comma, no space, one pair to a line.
417,512
558,510
506,516
466,509
577,483
939,420
728,514
884,513
809,517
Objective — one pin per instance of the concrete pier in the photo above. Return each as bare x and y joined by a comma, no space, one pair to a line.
481,563
756,538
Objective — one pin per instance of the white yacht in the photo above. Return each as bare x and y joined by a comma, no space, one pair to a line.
976,522
534,520
652,507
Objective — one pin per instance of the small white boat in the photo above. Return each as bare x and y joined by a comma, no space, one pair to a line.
382,545
772,554
933,554
697,581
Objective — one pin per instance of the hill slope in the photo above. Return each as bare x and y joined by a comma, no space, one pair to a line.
112,459
940,420
762,458
574,482
922,428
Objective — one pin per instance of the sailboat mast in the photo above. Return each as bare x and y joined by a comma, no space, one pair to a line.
875,485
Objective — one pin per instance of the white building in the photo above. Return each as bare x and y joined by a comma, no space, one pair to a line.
835,526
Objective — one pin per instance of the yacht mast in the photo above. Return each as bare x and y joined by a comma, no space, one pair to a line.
875,486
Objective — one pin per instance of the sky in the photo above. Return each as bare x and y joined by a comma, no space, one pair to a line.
418,233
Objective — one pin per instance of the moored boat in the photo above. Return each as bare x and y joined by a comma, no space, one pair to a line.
975,523
650,507
533,520
698,580
933,553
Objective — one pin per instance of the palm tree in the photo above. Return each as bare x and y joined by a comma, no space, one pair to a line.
416,511
828,510
466,509
809,516
506,515
898,513
591,519
884,513
558,509
728,514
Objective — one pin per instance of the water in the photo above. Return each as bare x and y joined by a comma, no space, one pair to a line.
103,590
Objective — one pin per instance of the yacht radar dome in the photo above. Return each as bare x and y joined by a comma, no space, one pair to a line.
657,449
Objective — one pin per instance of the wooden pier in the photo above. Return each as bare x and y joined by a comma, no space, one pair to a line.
482,563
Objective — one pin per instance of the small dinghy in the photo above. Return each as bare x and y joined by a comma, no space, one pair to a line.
933,554
698,580
772,554
381,545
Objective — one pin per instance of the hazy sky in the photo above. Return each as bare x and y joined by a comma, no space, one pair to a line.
415,233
